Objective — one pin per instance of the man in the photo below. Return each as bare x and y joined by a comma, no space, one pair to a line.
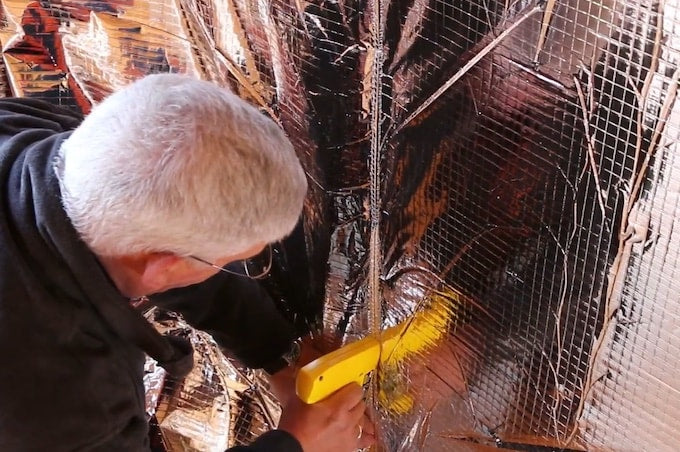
166,182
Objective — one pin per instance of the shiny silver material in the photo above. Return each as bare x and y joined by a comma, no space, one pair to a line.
509,167
217,405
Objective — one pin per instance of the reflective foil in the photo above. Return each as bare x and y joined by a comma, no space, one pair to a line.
218,405
503,176
154,378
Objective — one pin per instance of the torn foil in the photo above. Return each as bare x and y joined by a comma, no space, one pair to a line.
512,161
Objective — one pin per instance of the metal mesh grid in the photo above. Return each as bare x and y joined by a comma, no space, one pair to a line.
534,190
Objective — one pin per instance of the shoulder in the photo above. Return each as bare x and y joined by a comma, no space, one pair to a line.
25,113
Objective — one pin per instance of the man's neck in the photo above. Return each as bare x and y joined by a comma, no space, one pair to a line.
124,272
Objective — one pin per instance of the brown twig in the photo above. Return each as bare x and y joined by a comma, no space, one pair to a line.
235,71
619,267
473,412
466,68
591,145
545,24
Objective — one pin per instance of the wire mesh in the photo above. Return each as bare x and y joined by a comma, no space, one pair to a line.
516,161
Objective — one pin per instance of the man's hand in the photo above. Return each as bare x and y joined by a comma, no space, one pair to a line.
282,383
336,424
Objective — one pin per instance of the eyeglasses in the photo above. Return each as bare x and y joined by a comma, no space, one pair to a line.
256,267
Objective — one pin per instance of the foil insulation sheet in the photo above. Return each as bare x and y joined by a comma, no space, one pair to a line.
502,175
216,406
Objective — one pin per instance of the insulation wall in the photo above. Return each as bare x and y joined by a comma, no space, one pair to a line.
511,167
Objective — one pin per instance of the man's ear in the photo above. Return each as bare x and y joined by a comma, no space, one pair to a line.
160,269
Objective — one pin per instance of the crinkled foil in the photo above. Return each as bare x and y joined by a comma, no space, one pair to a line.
154,378
501,175
216,406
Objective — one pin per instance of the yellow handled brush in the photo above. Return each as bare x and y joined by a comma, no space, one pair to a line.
355,361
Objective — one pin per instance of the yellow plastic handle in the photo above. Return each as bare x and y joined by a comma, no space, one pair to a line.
354,362
322,377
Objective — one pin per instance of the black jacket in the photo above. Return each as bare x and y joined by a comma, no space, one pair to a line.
72,347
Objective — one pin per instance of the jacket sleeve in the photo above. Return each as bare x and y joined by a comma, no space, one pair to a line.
272,441
239,313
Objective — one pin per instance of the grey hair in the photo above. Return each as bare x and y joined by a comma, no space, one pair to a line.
175,164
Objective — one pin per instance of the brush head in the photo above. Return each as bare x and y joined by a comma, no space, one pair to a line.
420,332
354,362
